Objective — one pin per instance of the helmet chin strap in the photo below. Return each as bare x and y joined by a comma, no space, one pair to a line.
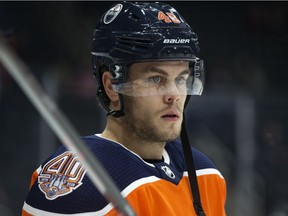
190,165
118,113
105,101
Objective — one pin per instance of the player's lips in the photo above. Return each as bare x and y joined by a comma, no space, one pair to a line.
171,116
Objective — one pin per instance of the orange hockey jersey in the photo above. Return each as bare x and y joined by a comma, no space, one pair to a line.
60,185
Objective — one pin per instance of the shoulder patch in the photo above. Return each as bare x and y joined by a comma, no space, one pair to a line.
61,175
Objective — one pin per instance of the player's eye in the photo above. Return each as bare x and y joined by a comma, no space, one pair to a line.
155,79
181,80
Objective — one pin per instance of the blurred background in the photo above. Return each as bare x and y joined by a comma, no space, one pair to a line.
240,121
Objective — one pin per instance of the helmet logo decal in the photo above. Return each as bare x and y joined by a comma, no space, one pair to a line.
168,17
112,13
61,175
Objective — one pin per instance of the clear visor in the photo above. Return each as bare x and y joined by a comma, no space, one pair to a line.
191,83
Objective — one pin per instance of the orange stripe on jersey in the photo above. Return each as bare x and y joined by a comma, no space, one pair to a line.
214,196
34,176
24,213
165,198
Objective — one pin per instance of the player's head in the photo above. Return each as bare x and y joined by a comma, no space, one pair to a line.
142,32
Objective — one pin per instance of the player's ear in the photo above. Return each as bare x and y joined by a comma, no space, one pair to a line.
106,80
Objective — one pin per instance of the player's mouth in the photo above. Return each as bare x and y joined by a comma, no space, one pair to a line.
171,116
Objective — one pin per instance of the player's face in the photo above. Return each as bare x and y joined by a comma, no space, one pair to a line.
156,118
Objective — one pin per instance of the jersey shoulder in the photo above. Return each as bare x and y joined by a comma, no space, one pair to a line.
62,179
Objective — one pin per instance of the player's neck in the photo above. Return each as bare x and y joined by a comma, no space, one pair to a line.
147,150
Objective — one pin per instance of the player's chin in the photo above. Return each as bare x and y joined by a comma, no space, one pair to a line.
171,138
172,134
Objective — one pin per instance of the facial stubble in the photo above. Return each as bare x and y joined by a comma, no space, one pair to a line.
143,125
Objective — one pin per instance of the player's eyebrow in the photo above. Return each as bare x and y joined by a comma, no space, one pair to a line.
154,69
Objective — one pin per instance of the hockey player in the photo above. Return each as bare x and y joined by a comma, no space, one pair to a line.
145,59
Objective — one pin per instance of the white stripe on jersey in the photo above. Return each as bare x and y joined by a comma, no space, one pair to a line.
34,211
207,171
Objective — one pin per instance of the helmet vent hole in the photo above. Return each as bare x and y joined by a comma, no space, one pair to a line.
135,43
134,17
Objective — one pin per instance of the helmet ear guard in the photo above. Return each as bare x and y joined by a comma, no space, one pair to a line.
103,98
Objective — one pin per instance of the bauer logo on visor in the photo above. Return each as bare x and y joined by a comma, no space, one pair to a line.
112,13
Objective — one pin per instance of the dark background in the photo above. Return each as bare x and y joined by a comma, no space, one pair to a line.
240,121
